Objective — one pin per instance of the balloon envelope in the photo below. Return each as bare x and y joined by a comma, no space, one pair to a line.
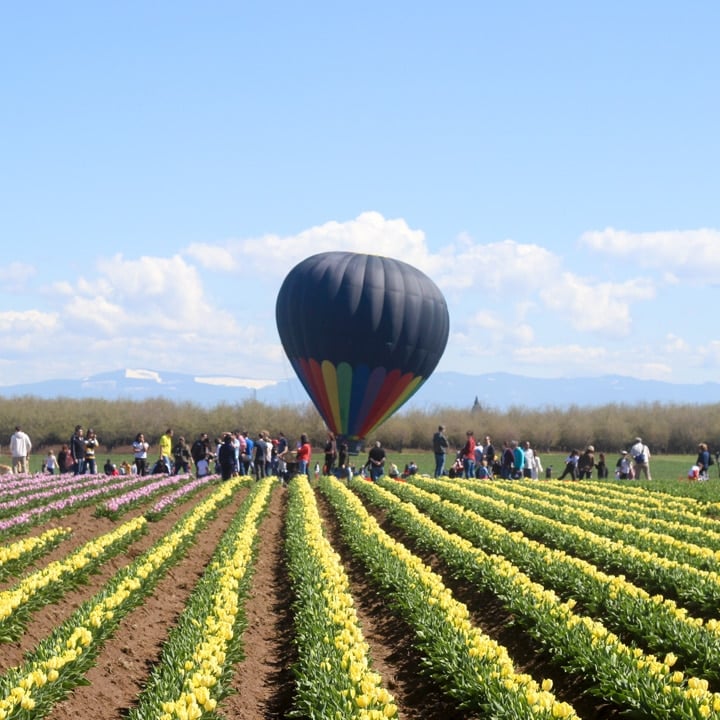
362,332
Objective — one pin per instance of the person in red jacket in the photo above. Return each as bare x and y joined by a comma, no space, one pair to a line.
468,455
303,455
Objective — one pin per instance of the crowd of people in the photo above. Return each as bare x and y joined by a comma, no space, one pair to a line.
482,460
238,453
231,453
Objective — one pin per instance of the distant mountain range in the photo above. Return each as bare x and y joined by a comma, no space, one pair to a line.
443,389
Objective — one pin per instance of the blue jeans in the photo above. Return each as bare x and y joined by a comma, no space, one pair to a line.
303,467
469,467
79,466
376,472
439,464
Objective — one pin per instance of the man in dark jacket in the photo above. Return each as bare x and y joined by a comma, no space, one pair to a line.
200,448
440,448
376,461
77,450
226,457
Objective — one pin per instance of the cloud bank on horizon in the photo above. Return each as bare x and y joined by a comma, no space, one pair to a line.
208,309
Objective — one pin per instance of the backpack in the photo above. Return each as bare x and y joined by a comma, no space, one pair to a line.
640,458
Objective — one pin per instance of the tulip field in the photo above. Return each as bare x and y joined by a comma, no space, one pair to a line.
171,597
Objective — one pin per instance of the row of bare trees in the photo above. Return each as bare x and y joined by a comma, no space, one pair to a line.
665,428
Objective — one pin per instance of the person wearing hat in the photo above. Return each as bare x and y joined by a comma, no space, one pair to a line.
586,463
623,467
640,454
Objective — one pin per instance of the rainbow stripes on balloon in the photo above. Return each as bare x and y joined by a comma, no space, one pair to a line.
353,401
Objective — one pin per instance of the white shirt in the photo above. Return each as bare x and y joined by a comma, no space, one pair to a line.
20,445
638,448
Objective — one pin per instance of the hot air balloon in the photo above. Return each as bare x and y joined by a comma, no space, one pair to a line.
363,333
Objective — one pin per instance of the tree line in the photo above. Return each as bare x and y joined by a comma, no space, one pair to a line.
666,428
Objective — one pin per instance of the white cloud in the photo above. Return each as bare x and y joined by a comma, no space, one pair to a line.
691,254
574,360
492,329
505,266
27,321
209,309
213,257
274,255
603,307
15,275
147,295
708,354
675,344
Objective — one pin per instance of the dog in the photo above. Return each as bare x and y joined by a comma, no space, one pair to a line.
5,470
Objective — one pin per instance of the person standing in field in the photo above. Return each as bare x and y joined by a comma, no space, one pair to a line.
260,456
303,455
518,460
330,453
181,456
281,451
140,451
468,455
479,457
530,467
376,461
571,464
91,445
602,468
704,460
490,454
77,450
640,454
200,448
226,457
20,447
440,448
64,460
586,463
623,467
507,461
165,449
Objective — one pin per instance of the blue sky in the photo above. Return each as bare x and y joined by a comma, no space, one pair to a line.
554,167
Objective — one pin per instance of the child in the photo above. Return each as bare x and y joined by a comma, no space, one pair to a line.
50,463
623,467
203,467
410,469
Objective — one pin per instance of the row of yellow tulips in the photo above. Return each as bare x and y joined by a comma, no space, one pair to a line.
473,668
655,622
684,542
18,555
59,662
625,675
334,677
195,669
657,573
55,579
